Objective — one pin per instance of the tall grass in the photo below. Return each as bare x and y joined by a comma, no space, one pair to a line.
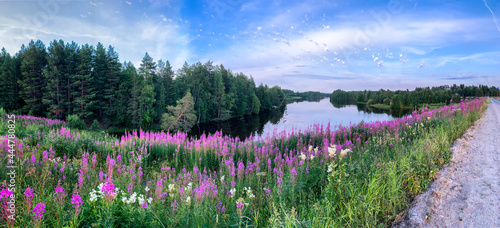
359,175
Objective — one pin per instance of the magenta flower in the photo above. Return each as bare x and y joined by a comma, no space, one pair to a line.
29,196
109,190
38,211
5,193
59,190
76,200
29,193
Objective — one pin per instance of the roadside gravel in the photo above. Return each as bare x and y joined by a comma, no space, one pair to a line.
466,193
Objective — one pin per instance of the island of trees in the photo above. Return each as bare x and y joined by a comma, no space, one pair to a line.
292,96
89,84
412,99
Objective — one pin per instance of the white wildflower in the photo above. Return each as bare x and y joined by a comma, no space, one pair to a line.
344,152
171,187
222,178
141,199
188,200
310,148
232,192
332,150
146,189
330,168
303,156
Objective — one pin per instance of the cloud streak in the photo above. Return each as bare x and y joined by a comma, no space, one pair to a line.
492,14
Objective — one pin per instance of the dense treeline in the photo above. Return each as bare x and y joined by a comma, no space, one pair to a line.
292,96
69,79
417,97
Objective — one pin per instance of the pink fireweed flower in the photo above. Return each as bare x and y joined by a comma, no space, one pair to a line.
109,190
5,193
110,167
130,187
33,158
76,201
240,203
101,176
29,196
5,213
59,192
159,187
140,173
293,176
38,212
174,205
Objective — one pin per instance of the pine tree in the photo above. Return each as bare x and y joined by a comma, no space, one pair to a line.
33,82
180,117
147,95
55,75
99,74
72,60
124,95
136,88
112,83
8,82
84,91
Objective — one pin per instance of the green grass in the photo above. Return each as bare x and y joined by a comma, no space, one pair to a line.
367,188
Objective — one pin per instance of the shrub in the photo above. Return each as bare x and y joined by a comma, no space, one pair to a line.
75,122
95,126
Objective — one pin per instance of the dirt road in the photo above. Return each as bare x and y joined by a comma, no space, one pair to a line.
467,192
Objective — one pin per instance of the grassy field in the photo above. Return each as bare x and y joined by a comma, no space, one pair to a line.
355,176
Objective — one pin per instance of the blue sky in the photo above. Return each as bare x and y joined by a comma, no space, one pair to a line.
299,45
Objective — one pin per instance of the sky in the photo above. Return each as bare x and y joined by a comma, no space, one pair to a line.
299,45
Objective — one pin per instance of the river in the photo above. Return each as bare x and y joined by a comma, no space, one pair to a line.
299,116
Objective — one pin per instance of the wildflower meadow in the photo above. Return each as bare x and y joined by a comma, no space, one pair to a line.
325,176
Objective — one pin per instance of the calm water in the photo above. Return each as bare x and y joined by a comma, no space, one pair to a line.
298,116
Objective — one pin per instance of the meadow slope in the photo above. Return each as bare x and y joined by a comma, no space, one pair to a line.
467,192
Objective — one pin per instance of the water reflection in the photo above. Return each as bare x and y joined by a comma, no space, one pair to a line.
297,116
396,113
241,127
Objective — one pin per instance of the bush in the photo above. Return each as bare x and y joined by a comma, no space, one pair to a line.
75,122
95,126
370,101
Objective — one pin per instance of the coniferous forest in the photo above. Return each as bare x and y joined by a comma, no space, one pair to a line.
90,84
411,99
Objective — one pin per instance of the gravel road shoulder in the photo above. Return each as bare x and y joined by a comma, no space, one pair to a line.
466,193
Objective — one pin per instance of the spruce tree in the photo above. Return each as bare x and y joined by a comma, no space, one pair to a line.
33,82
84,91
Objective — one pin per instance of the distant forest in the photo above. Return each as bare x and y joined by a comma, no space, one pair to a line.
90,83
415,98
292,96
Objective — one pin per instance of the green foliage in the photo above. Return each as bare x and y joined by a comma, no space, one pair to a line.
367,187
75,122
181,117
412,99
95,125
67,79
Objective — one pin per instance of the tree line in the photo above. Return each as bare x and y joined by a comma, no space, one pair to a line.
292,96
414,98
69,79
